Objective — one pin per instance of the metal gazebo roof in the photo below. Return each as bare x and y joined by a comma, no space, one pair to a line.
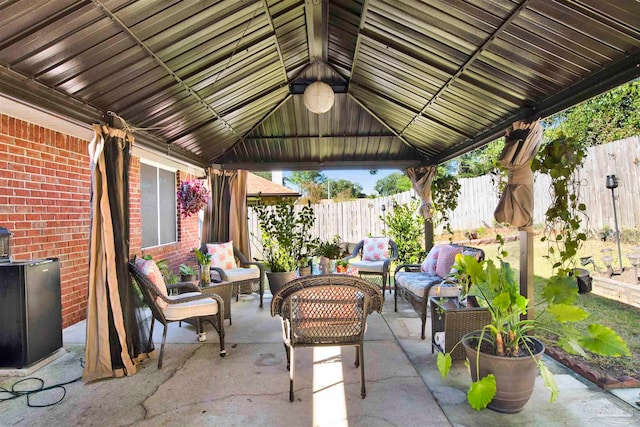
221,82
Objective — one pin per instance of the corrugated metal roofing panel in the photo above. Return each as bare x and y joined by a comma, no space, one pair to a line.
416,81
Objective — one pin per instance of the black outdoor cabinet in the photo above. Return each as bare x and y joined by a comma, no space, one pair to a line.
30,311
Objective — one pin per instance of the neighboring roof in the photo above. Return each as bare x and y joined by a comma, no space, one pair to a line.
256,186
221,82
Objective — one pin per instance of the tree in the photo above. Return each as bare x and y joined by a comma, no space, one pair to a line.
607,117
480,161
342,189
263,174
304,180
397,182
407,230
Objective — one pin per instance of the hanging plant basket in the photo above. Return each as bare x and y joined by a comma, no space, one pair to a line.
192,196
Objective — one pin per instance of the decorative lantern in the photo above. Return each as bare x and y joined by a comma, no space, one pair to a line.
5,245
318,97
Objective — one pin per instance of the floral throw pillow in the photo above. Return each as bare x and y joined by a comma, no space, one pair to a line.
375,249
151,270
429,264
222,255
446,258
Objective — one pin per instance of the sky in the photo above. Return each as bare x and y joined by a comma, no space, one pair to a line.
358,176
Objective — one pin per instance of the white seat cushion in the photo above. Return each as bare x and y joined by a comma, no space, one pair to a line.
416,283
195,308
368,266
238,274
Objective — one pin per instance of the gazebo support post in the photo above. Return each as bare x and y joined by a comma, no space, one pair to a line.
428,235
526,269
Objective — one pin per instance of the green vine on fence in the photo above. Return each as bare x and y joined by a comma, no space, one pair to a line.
561,157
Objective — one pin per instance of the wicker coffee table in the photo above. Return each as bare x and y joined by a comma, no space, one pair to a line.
448,316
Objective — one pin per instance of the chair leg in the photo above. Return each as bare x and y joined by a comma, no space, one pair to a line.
286,350
363,391
292,374
357,361
395,298
202,335
150,343
164,339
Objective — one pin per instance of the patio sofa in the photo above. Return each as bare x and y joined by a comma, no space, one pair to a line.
417,282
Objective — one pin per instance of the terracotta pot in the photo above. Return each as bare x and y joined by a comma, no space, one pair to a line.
515,376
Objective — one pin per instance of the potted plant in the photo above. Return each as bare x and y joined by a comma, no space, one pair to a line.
327,251
188,273
286,239
304,266
341,266
204,260
504,356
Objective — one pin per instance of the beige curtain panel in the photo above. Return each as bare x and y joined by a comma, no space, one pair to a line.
238,212
522,141
226,215
422,177
108,349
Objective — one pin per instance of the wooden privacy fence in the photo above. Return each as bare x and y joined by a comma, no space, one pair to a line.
357,219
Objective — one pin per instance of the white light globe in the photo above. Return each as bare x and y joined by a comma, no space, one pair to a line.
318,97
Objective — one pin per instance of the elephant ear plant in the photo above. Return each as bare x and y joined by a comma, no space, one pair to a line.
509,333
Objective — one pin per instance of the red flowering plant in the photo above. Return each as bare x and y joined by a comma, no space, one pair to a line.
192,196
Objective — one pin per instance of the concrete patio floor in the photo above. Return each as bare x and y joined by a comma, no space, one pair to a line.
249,387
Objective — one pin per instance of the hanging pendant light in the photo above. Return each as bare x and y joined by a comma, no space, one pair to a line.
318,97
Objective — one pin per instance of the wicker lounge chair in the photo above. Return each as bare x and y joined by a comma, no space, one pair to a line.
378,266
191,304
416,285
246,276
328,310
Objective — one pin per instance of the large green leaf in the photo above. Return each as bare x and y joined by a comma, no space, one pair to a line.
604,341
502,301
560,290
549,382
481,392
444,363
567,313
572,346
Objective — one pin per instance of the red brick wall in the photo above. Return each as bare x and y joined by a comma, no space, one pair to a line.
44,201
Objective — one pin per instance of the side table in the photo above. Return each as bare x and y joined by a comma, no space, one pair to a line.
448,316
225,290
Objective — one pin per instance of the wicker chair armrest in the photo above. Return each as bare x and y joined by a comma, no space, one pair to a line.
407,267
260,265
221,272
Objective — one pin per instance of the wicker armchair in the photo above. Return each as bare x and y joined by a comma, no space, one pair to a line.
243,277
377,268
191,304
328,310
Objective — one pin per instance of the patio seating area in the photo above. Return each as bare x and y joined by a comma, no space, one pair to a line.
250,386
